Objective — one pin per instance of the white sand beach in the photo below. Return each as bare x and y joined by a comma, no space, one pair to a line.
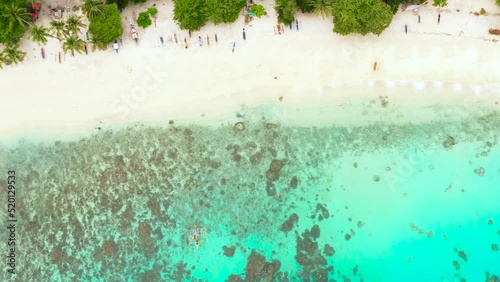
312,69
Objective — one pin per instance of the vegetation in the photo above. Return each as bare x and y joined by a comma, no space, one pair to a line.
93,8
362,16
14,18
224,11
322,7
38,34
258,10
72,44
11,54
498,2
73,24
138,1
121,4
106,27
190,14
58,29
152,11
440,3
286,10
305,6
144,20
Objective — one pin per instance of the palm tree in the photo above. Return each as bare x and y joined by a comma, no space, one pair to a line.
15,15
12,55
74,23
92,8
73,44
38,34
58,28
2,60
322,7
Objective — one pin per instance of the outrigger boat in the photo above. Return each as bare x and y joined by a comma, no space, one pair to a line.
196,235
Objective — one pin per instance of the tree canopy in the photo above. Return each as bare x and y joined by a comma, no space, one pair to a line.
14,19
190,14
224,11
286,10
361,16
193,14
106,26
440,3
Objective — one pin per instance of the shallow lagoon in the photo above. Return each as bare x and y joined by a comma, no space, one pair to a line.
381,202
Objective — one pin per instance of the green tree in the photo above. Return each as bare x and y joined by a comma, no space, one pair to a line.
305,6
190,14
152,11
73,44
58,29
498,2
138,1
15,15
121,4
286,10
106,26
38,34
92,8
144,20
322,7
2,60
362,16
224,11
98,43
12,55
440,3
74,23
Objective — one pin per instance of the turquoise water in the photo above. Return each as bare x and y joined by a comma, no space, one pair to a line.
279,202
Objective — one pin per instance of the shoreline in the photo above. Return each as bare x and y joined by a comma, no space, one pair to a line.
312,69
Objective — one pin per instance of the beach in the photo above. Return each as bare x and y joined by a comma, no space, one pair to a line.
302,156
147,82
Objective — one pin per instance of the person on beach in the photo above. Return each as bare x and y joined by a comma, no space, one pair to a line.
200,41
279,29
244,35
115,46
185,43
439,17
234,46
406,29
297,24
161,40
216,40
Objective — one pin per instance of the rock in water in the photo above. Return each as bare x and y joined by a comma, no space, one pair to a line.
229,251
462,255
239,126
449,142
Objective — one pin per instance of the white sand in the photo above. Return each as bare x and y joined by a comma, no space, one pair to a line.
455,62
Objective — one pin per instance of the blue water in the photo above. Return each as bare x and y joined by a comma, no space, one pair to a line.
392,201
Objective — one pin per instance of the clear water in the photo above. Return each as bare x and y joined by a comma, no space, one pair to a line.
390,202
